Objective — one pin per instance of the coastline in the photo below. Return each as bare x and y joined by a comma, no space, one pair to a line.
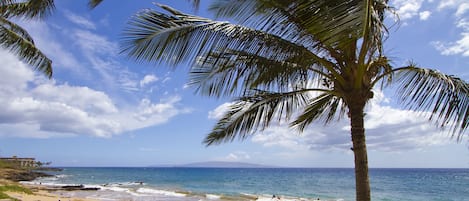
44,195
13,188
208,184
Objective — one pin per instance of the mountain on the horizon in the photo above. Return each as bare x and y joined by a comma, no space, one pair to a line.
223,164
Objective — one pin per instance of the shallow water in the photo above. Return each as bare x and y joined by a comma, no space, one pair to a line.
142,184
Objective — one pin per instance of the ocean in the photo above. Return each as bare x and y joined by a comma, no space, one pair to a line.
198,184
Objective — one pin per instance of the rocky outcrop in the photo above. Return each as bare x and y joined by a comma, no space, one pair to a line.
22,175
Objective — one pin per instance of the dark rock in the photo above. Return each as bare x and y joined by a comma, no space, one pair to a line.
26,175
79,187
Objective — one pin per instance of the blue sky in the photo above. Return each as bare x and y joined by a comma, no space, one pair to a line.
102,109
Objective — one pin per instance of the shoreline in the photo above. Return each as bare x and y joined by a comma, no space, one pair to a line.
43,195
39,192
13,188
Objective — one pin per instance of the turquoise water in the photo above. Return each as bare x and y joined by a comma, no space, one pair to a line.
249,184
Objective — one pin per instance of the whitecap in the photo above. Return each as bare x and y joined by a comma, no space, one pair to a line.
115,188
212,197
160,192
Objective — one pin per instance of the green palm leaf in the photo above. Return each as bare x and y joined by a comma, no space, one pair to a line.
14,40
16,29
310,58
93,3
17,40
445,96
328,21
32,9
224,72
255,112
153,36
325,106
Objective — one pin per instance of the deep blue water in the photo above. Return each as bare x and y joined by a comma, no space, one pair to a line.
292,183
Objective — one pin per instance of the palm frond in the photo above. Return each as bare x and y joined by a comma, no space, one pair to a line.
153,36
445,97
94,3
17,29
6,2
222,73
380,70
325,106
12,37
255,113
32,9
331,22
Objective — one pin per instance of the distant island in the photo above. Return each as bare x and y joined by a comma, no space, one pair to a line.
220,164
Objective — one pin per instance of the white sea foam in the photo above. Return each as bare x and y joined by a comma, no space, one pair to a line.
62,175
160,192
280,198
212,197
42,183
115,188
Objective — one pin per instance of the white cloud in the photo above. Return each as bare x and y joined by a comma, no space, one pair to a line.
407,9
236,157
57,117
94,44
387,129
158,112
15,74
148,79
92,101
218,112
460,46
424,15
45,37
444,4
32,107
79,20
462,9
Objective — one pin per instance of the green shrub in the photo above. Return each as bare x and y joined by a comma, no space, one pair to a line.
15,188
7,164
12,188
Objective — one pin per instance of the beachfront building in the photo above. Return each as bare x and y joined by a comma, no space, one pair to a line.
21,162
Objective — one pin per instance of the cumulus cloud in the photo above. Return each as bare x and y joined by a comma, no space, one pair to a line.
32,107
236,156
407,9
387,129
148,79
424,15
460,46
451,4
462,9
219,111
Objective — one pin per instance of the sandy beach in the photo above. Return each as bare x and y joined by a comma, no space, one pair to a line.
39,193
42,195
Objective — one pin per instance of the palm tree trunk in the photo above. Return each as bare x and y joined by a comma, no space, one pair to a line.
362,181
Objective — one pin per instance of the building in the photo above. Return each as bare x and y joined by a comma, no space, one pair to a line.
21,162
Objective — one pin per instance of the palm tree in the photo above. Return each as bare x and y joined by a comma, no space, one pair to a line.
16,39
94,3
300,61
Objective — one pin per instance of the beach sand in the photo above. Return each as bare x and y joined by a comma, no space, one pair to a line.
44,196
40,194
